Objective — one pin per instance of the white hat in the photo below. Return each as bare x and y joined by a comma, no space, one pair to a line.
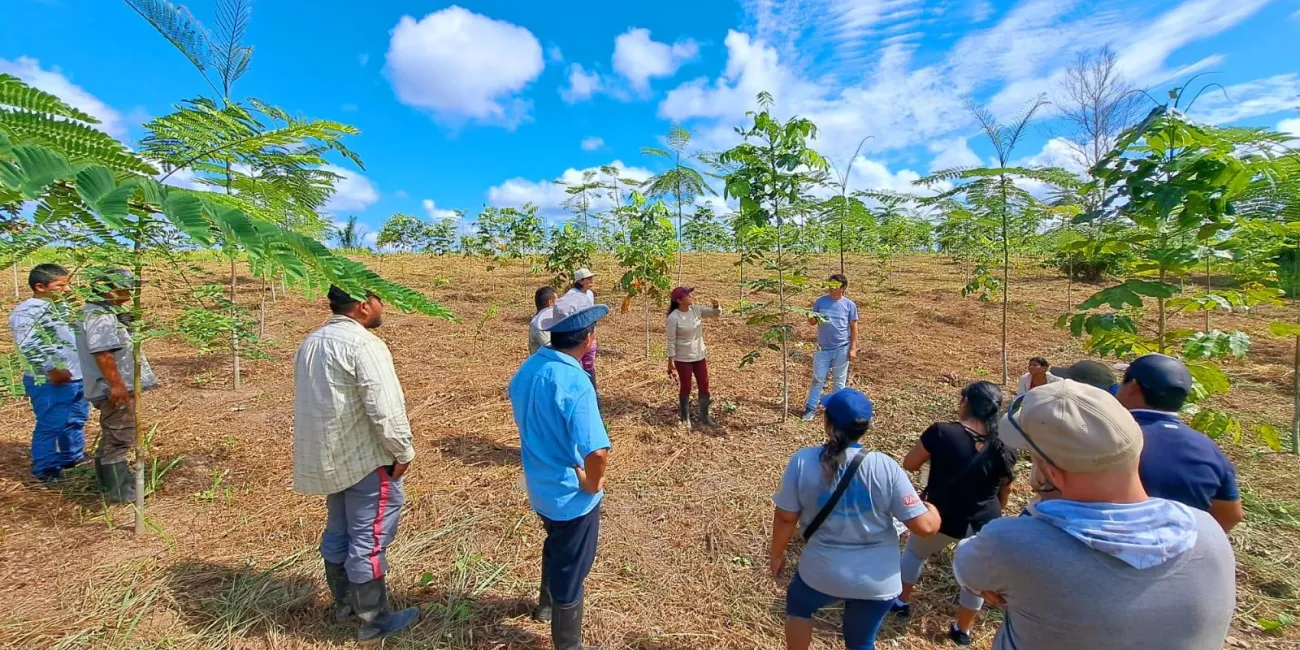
582,274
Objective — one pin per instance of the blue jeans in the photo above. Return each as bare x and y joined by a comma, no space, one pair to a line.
360,523
59,438
835,362
862,618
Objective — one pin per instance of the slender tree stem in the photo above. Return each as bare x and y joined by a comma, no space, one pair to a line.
136,392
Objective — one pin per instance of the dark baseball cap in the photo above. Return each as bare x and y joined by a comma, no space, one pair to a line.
1087,371
847,405
339,298
1160,374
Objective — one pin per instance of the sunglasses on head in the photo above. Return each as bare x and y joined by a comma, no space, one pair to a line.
1011,417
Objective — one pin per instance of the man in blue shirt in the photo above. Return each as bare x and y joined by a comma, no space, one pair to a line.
1178,463
836,318
564,447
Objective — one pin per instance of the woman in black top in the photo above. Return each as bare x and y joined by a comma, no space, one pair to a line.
970,480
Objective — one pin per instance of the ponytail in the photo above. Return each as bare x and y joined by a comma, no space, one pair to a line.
672,307
984,401
833,452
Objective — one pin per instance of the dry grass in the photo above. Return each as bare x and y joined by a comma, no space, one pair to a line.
683,548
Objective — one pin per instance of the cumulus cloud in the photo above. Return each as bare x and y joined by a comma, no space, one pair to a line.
437,214
592,143
460,66
549,195
1057,152
638,58
352,193
952,152
1276,94
54,82
1290,127
582,84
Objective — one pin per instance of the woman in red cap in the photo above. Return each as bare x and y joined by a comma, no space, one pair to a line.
686,351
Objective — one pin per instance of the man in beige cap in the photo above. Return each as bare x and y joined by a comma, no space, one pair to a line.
1103,565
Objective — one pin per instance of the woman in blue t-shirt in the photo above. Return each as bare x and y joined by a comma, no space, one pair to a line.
853,555
970,480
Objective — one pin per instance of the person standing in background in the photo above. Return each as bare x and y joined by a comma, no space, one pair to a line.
687,354
104,347
42,331
564,449
1179,463
837,341
1038,375
543,300
581,291
352,444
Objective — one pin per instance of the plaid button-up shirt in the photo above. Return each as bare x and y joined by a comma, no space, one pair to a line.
349,414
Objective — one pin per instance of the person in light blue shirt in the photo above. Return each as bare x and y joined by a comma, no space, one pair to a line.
564,448
853,556
836,318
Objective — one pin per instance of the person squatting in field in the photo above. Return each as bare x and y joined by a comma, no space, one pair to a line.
564,448
104,347
969,484
687,354
846,498
1102,565
581,294
352,444
836,318
42,329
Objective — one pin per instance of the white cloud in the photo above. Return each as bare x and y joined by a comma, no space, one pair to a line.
554,54
592,143
352,193
1276,94
54,82
1290,127
582,84
461,66
1056,152
638,58
1144,57
435,213
952,152
549,195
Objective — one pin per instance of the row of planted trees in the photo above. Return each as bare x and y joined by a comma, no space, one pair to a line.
257,178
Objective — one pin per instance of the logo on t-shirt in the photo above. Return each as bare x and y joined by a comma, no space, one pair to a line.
911,500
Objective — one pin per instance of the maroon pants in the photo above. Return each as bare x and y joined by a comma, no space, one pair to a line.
684,370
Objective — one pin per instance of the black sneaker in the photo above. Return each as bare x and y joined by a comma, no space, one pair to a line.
957,636
901,609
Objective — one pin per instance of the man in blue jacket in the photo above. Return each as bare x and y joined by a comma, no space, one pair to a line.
564,448
1179,463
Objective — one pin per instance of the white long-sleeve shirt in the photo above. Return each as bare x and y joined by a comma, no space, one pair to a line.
349,413
686,333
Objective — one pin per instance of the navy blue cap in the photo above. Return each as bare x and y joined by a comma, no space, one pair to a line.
846,405
572,314
1160,374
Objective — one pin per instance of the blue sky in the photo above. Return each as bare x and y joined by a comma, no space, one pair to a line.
487,102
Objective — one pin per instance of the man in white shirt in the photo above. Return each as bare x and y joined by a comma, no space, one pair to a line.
42,331
352,443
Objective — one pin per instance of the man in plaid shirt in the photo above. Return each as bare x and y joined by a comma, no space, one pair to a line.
352,443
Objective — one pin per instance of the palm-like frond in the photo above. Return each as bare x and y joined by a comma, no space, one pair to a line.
18,95
180,28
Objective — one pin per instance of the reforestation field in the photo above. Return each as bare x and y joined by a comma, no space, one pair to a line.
229,558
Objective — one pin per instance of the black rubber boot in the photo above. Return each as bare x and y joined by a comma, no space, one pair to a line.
337,578
542,613
566,628
370,603
115,481
704,411
684,411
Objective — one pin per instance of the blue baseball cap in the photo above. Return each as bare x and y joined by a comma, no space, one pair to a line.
1160,374
847,405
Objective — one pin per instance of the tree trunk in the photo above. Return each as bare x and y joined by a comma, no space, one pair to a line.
647,326
1208,287
1006,281
1160,316
136,387
261,311
234,328
1295,406
17,293
780,290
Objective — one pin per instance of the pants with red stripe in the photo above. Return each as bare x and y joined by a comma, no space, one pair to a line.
361,523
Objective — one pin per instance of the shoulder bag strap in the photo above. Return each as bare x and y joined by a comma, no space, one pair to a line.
840,489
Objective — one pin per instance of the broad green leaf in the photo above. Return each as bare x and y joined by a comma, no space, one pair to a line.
1283,329
1269,436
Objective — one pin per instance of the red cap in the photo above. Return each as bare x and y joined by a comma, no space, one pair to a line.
680,292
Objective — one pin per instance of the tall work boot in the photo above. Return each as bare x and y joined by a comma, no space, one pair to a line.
116,481
566,628
337,578
684,411
704,411
370,603
542,613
